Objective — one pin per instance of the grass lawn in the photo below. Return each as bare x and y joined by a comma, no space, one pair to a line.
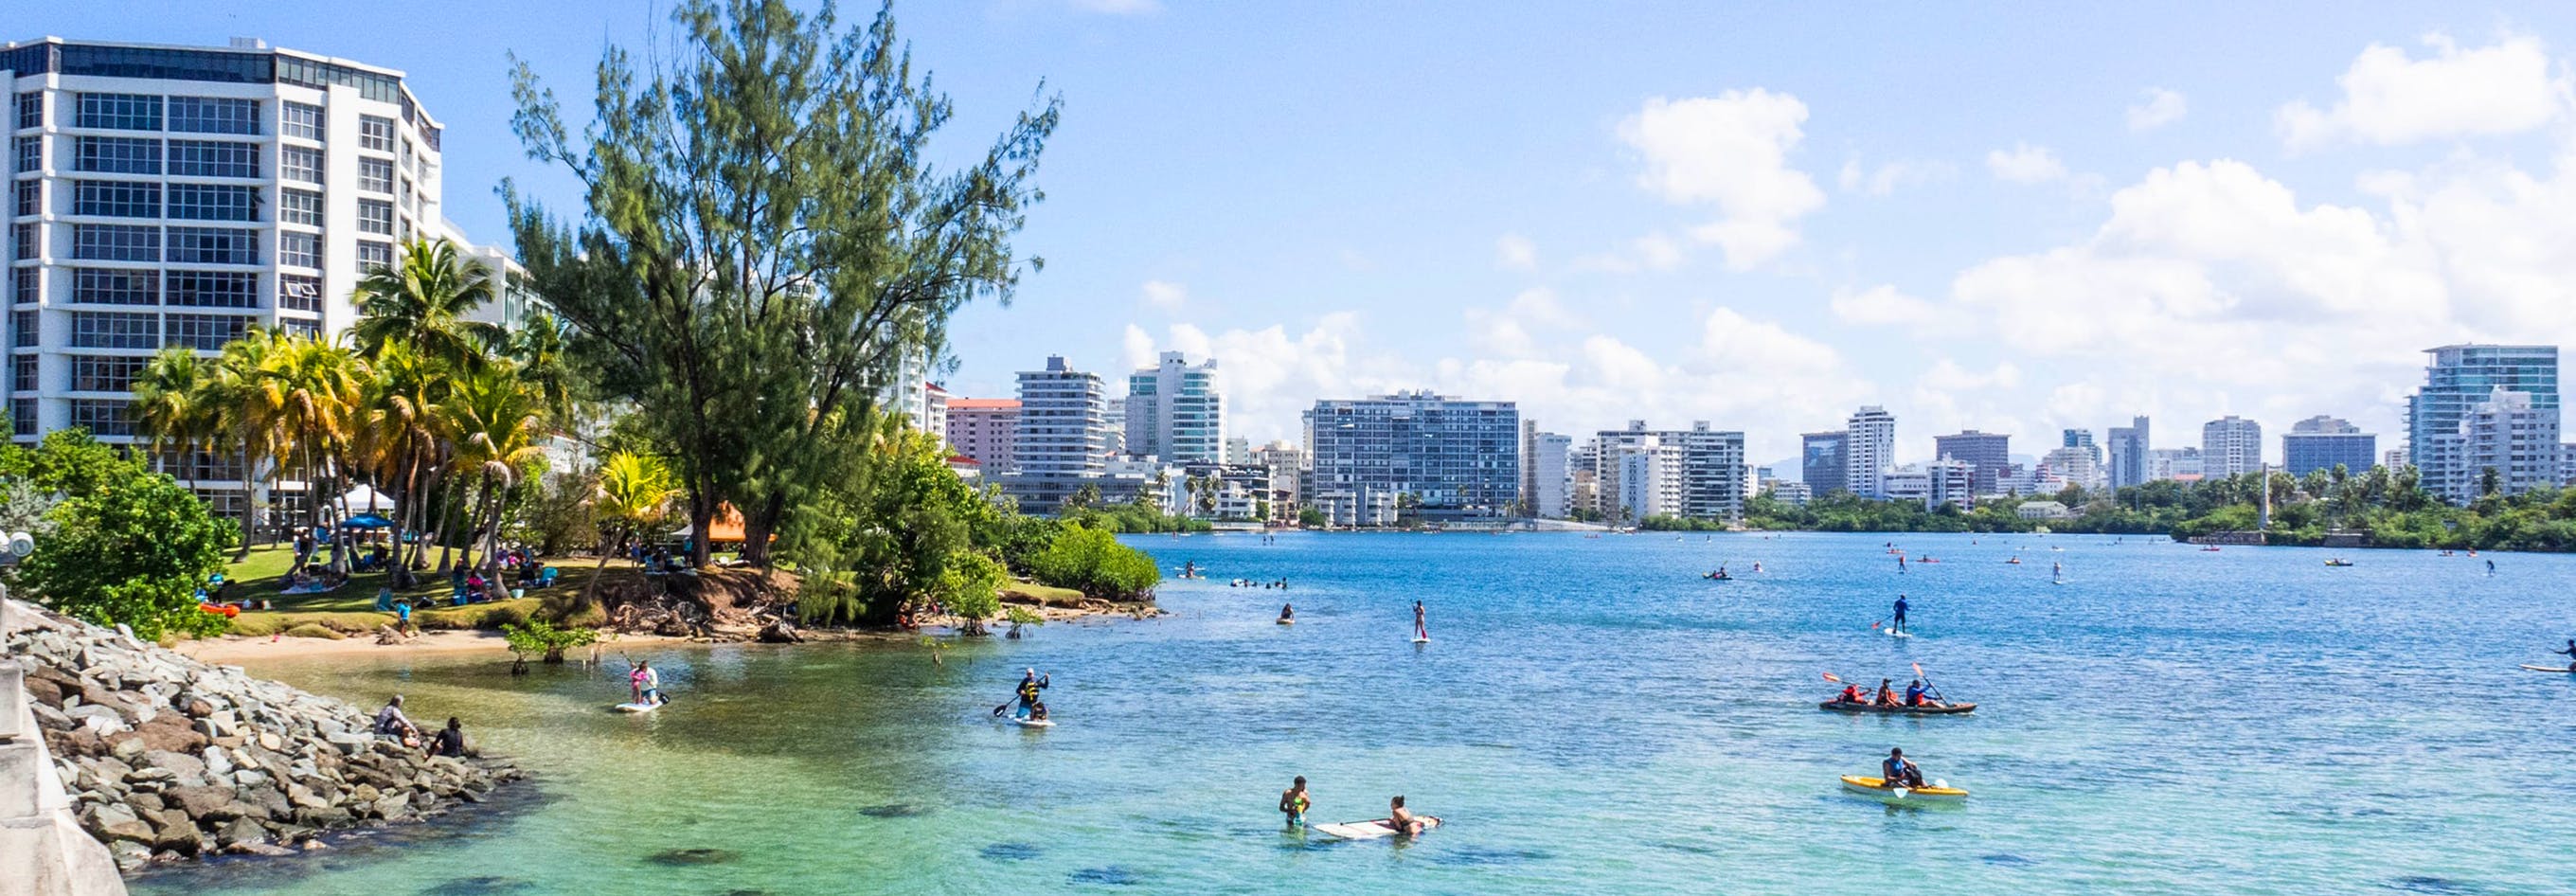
351,608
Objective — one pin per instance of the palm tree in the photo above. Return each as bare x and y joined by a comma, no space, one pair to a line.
634,489
316,389
494,422
170,400
404,392
422,300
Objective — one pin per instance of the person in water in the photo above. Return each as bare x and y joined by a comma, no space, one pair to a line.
1886,692
1899,771
1899,624
1419,631
1030,684
1405,823
648,684
1294,801
1287,612
450,740
2571,654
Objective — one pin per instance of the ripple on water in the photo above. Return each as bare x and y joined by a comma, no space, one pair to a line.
1106,875
1010,852
2429,884
895,810
1478,855
2007,860
693,857
479,886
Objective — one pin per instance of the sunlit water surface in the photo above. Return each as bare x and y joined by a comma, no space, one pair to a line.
1591,717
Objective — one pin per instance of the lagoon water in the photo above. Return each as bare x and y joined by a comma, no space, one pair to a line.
1591,717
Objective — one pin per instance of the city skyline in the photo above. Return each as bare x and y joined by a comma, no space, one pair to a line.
2074,253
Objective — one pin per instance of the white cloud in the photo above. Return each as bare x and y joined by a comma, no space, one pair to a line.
1654,251
2391,99
1730,151
1888,177
1166,295
1515,252
2162,107
1734,342
1882,305
2026,164
1138,347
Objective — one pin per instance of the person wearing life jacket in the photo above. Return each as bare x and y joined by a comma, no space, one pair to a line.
1851,694
1898,771
1030,685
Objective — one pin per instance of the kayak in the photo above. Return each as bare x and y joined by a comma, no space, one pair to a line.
2558,669
1366,830
638,707
1877,787
1948,710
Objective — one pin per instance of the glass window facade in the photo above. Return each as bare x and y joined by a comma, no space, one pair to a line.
105,373
301,120
117,155
299,292
30,154
31,109
103,418
173,64
299,249
27,285
376,175
213,289
213,158
214,202
299,207
116,199
30,196
373,255
22,242
207,332
114,286
119,111
213,245
375,216
300,164
22,329
116,242
214,115
314,73
375,133
115,329
22,373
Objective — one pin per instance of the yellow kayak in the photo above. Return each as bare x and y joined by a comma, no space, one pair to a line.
1877,787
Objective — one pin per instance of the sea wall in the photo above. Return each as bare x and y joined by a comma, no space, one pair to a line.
166,758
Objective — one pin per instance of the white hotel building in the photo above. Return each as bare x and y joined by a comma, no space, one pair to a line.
179,195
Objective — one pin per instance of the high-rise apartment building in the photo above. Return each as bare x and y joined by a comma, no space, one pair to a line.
163,196
1987,454
2459,378
2128,454
1062,438
1824,460
2324,443
985,429
2508,439
2229,446
2081,438
1545,482
2075,464
1711,475
1175,412
1650,480
1871,447
1450,459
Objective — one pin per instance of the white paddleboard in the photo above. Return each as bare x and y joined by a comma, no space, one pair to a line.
2562,670
1287,622
1422,640
1892,633
1366,830
638,707
1034,723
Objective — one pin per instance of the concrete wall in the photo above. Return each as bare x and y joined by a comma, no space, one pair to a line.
35,814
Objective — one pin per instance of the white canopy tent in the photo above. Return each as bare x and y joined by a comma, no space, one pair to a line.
364,499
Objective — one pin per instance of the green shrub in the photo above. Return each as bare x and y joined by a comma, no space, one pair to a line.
1093,562
543,638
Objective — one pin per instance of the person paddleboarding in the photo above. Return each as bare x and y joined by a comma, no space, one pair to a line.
1026,695
1421,633
1897,625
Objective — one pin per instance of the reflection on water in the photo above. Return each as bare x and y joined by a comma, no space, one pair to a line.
1593,718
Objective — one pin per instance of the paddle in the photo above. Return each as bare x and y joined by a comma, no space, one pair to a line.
1927,682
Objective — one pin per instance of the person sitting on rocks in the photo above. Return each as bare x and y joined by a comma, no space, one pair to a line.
450,740
390,722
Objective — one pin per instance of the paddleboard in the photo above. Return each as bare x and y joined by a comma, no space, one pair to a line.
1366,830
638,707
1033,723
1892,633
1287,622
2558,669
1424,640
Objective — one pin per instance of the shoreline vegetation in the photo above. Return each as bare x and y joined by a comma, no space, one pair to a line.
2378,508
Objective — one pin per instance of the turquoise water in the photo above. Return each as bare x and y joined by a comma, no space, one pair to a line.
1590,717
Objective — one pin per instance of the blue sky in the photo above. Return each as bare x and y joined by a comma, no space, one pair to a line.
2014,218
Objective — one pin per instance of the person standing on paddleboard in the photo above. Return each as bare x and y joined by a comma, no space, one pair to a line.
1030,684
1420,632
1294,802
1899,624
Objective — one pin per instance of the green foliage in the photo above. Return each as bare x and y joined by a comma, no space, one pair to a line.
893,525
540,637
970,586
128,546
555,515
1668,523
1311,518
767,237
1093,562
1133,519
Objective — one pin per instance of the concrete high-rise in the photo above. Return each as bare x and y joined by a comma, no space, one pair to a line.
985,429
1062,437
1872,451
1175,412
2128,447
1547,481
1454,459
2229,446
179,196
2459,378
1824,462
2507,438
1987,454
2324,443
1710,476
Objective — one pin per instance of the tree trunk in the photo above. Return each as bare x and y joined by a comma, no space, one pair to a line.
756,529
445,550
702,522
250,505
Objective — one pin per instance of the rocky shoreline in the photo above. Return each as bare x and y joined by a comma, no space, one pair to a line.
168,758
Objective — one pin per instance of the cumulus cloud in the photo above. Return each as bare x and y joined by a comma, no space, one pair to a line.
1729,151
1166,295
1515,252
2159,108
2390,98
2026,164
1882,305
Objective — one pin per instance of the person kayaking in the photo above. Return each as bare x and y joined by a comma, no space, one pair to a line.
1899,771
1403,820
1420,631
1918,695
1294,801
1898,624
1287,613
1030,684
1886,692
1851,694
